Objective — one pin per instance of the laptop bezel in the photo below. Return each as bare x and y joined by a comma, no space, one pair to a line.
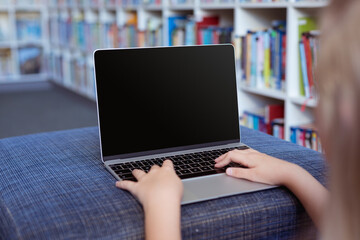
163,150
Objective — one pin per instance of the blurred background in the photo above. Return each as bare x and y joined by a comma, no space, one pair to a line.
47,71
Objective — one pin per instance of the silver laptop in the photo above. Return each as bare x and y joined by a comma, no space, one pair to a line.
177,103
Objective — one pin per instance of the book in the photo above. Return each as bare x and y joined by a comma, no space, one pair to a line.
305,24
309,46
273,111
254,120
175,24
305,79
306,135
309,64
91,31
28,26
263,119
263,57
277,126
128,33
30,60
206,22
154,32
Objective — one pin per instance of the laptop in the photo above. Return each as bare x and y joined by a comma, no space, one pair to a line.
178,103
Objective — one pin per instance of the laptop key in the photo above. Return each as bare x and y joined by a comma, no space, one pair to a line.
184,172
198,174
194,165
195,170
185,166
205,168
123,171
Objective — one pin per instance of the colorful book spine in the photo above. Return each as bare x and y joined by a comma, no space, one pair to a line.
264,119
183,30
304,70
308,46
263,58
254,121
306,136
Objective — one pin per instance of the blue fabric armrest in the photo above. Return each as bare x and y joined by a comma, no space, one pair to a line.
54,186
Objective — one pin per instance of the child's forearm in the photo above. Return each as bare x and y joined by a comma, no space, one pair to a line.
162,220
308,190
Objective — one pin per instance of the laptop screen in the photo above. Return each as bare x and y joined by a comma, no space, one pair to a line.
167,97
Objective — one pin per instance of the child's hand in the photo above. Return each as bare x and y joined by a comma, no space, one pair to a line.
159,191
160,185
261,167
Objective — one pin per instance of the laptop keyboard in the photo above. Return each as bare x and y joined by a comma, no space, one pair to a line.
185,165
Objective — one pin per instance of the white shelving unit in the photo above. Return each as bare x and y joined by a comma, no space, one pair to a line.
13,9
71,64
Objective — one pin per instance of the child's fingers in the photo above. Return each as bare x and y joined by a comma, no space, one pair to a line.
220,158
223,160
244,173
169,164
126,185
234,156
138,173
153,167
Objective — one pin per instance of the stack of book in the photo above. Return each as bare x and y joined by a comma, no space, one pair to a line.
109,31
183,30
92,31
309,47
266,119
64,29
153,33
308,50
128,34
306,136
263,57
77,40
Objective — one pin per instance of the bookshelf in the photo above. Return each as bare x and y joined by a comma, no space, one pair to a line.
23,41
71,30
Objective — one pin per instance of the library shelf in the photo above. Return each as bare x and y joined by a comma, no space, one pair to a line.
187,6
153,7
26,41
217,6
314,4
269,5
68,53
303,101
271,93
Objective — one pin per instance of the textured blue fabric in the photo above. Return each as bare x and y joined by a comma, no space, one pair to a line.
54,186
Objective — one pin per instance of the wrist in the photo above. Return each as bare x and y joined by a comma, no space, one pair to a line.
161,203
291,174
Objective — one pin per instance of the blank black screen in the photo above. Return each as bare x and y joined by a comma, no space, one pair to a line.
156,98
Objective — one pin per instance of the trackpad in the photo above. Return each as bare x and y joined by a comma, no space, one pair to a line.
216,186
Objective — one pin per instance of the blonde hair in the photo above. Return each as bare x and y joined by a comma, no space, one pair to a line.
338,117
